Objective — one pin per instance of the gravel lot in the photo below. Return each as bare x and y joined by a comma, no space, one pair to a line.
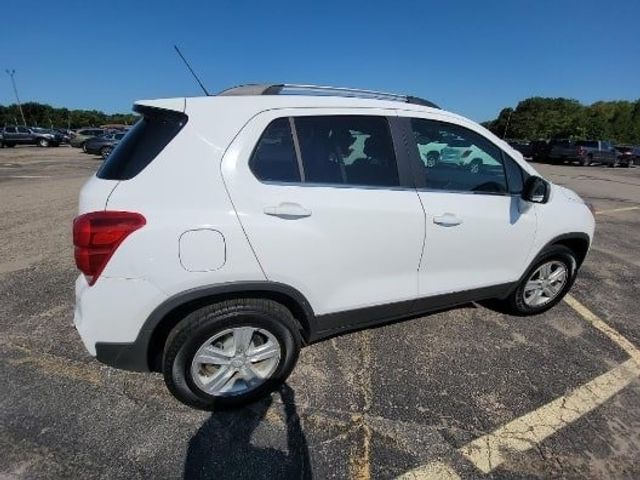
410,396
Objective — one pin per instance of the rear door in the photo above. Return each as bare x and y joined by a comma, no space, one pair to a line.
328,205
478,232
24,136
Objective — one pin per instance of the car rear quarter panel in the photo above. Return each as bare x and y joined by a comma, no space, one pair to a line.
180,191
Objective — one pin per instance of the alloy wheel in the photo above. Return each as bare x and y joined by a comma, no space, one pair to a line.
545,283
235,361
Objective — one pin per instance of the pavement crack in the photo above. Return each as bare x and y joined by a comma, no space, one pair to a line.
360,458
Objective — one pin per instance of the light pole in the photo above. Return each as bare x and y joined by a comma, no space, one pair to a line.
11,73
506,127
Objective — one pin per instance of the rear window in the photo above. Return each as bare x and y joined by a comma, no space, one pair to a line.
149,136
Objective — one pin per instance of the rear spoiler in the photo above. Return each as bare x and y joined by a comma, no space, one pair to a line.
175,104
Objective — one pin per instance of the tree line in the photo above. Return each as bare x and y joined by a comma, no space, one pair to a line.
46,116
546,118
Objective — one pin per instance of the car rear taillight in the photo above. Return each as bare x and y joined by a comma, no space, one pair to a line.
582,151
97,235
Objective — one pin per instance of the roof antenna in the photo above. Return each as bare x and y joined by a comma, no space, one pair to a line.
192,72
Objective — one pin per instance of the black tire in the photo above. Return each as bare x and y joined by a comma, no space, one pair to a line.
514,304
84,147
9,145
43,142
187,337
585,162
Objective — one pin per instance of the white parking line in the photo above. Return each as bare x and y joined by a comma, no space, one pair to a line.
491,450
614,210
431,471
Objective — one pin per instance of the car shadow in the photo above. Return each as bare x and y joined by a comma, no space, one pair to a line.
222,447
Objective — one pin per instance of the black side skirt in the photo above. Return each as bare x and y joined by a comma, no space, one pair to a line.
333,324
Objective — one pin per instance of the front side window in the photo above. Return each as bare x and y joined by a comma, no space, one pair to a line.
347,150
455,158
23,130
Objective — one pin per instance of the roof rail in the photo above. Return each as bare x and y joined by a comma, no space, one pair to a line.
295,89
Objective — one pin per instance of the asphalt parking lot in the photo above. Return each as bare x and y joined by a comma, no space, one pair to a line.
467,393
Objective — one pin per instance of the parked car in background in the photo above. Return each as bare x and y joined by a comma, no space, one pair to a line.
12,136
584,152
539,150
65,133
523,146
628,155
84,134
103,145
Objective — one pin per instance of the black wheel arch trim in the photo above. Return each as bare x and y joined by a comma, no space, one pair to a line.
558,240
561,239
139,355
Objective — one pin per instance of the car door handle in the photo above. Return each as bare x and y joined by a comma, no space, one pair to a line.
288,210
447,220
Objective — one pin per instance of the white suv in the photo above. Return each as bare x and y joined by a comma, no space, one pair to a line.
225,232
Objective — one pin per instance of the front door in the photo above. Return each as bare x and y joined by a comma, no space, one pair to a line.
478,231
329,209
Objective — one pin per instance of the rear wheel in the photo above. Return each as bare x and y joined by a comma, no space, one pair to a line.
105,151
544,284
84,147
475,165
230,353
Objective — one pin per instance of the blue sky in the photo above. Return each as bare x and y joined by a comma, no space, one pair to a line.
471,57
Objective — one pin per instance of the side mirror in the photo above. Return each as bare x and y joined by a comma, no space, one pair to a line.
536,190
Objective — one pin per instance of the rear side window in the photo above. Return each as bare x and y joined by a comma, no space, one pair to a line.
274,159
347,150
355,150
149,136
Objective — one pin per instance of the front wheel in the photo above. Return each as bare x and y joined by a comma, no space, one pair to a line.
43,142
230,353
544,284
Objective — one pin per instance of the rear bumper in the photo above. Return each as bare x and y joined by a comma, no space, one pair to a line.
110,315
125,356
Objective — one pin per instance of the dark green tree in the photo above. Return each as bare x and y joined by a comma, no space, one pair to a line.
544,118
